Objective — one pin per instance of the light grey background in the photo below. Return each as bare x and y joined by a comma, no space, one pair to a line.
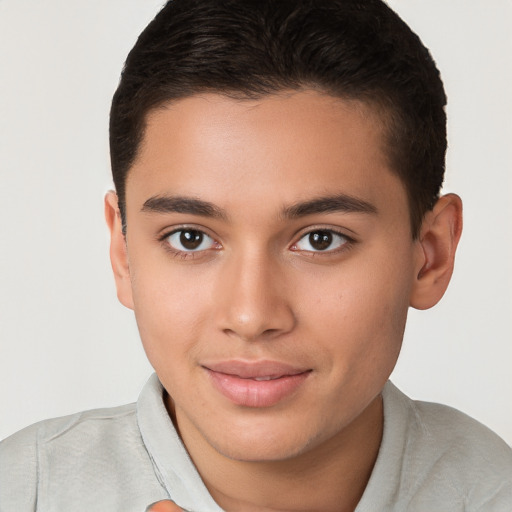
65,342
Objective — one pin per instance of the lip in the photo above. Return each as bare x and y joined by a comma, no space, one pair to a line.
236,380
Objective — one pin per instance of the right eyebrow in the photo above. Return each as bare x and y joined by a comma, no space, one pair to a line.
182,204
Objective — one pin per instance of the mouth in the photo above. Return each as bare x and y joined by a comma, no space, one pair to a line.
256,384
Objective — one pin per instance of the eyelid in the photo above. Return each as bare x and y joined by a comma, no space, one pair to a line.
342,231
174,239
168,231
350,240
187,254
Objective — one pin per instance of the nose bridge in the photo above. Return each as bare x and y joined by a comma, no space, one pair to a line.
254,302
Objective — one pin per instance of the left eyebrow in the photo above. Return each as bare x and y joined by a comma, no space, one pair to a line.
329,204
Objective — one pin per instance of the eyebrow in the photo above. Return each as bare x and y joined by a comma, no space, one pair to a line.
329,204
325,204
179,204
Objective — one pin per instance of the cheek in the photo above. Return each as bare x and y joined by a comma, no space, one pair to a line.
361,311
169,310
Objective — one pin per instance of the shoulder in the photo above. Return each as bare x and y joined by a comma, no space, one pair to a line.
24,455
460,437
64,429
449,450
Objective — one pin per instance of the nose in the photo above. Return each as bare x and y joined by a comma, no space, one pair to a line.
253,301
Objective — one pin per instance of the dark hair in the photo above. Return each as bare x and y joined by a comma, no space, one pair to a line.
352,49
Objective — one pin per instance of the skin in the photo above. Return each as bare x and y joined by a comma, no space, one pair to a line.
259,290
165,506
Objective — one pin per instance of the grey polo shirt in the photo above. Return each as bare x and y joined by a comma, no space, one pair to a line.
432,459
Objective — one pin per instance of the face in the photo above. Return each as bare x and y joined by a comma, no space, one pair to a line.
270,264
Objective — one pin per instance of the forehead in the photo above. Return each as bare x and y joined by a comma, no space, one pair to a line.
300,143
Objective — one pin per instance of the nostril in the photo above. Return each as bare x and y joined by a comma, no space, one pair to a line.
270,332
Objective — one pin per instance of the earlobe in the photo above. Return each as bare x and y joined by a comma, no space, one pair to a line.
118,251
437,244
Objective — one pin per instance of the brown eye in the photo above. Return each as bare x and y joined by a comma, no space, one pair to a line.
320,240
190,240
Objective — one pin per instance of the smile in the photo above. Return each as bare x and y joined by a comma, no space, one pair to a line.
256,384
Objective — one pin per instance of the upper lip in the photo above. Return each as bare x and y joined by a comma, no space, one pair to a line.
253,369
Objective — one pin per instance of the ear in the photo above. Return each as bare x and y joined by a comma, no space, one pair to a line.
438,240
118,251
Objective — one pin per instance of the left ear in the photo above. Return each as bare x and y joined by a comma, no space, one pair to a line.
438,240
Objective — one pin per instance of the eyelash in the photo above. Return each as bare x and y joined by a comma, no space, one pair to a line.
347,244
191,254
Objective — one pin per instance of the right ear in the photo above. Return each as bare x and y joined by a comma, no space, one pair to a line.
118,250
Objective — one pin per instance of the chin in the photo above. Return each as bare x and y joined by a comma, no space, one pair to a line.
260,452
268,443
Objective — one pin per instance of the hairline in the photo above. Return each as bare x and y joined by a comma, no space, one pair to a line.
380,106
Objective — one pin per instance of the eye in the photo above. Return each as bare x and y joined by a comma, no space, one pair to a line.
190,240
321,240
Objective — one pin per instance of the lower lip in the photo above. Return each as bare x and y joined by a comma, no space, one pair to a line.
256,393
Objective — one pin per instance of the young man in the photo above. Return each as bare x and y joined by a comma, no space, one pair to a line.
277,168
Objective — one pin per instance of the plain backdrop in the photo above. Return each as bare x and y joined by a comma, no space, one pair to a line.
65,342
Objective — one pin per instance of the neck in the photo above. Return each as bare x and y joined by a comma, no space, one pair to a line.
330,477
